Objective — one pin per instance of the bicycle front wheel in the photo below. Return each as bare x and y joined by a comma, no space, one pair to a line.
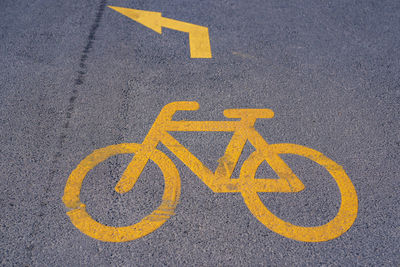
87,225
333,229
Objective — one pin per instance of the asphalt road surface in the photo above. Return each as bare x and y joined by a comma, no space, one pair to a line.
77,76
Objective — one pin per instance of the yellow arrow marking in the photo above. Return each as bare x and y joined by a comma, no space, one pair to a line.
199,39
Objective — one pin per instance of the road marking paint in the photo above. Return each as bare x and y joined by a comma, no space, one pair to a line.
220,181
199,39
84,222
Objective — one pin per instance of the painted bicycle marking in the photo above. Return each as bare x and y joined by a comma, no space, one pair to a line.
219,182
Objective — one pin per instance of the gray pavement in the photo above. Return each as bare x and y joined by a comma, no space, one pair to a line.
76,76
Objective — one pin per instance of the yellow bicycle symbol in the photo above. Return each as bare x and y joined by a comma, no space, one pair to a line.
218,182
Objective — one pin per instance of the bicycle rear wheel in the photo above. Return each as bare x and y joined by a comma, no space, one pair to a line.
340,224
87,225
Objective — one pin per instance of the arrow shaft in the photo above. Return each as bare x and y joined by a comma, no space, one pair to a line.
199,39
179,25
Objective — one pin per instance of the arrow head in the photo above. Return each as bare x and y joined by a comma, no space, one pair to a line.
149,19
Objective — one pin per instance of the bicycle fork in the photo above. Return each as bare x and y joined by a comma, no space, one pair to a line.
139,161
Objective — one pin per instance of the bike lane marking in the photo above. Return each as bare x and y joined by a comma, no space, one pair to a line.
199,40
220,181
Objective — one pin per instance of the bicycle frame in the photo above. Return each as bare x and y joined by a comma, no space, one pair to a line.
220,181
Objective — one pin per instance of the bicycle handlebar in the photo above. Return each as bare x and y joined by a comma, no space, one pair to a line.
181,105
